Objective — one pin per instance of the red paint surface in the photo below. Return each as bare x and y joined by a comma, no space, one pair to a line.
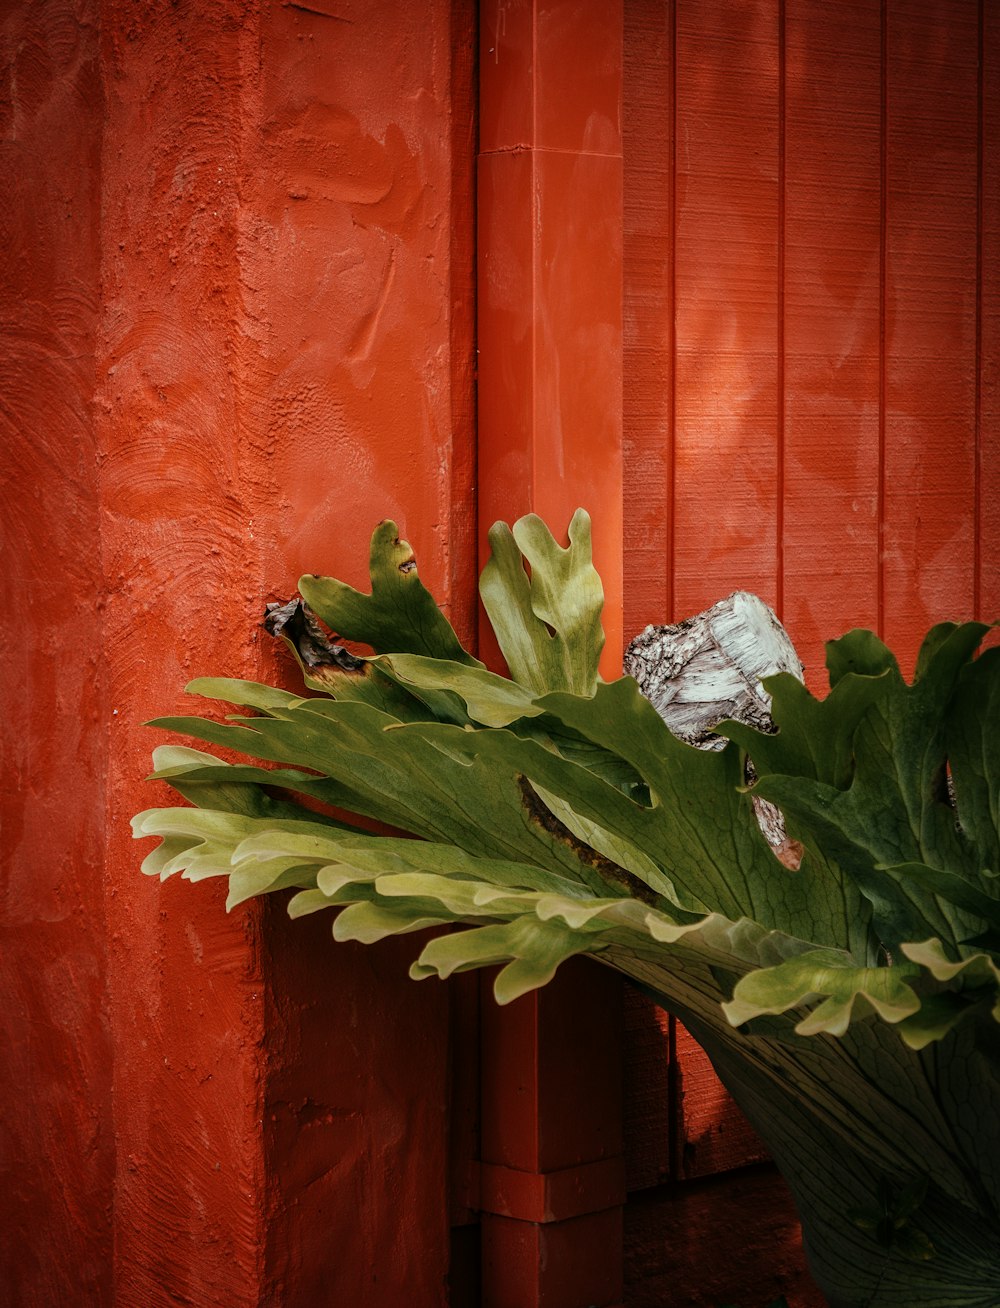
648,347
534,1118
237,297
831,302
987,569
550,358
930,322
182,575
56,1138
550,294
573,1255
260,216
811,263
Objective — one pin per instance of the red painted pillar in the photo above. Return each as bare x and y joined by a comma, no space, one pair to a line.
283,361
550,432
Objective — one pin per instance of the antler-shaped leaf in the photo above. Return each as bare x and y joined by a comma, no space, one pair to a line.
549,624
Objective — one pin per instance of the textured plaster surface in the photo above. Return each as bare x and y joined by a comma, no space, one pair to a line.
237,307
55,1128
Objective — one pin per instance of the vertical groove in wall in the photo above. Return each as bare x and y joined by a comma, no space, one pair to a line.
535,221
674,1092
882,363
463,1123
779,535
672,309
978,402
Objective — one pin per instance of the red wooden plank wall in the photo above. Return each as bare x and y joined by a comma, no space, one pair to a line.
811,265
811,333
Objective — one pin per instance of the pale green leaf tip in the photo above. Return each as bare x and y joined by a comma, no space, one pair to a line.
507,987
196,685
580,525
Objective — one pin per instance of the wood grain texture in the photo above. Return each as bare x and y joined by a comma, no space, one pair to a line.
811,214
930,327
713,1135
812,333
831,322
727,258
988,314
710,667
649,347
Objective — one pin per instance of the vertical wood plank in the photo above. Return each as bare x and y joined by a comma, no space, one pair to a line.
727,436
726,446
831,297
930,333
988,314
648,485
648,381
550,359
711,267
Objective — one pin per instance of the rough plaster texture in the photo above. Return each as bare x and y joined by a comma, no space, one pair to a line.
55,1129
238,308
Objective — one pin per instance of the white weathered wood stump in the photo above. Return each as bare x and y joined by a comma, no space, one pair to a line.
699,672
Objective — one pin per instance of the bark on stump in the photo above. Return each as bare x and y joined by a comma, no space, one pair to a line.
699,672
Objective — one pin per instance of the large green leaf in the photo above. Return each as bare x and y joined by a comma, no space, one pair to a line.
862,779
549,623
826,975
481,697
399,616
972,745
699,825
530,950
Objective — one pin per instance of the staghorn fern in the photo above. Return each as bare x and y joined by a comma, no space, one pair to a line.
850,1006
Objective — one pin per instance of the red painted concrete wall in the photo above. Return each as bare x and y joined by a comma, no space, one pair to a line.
238,270
56,1136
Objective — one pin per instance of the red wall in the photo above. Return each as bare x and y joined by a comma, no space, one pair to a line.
56,1139
811,290
812,201
238,294
238,269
